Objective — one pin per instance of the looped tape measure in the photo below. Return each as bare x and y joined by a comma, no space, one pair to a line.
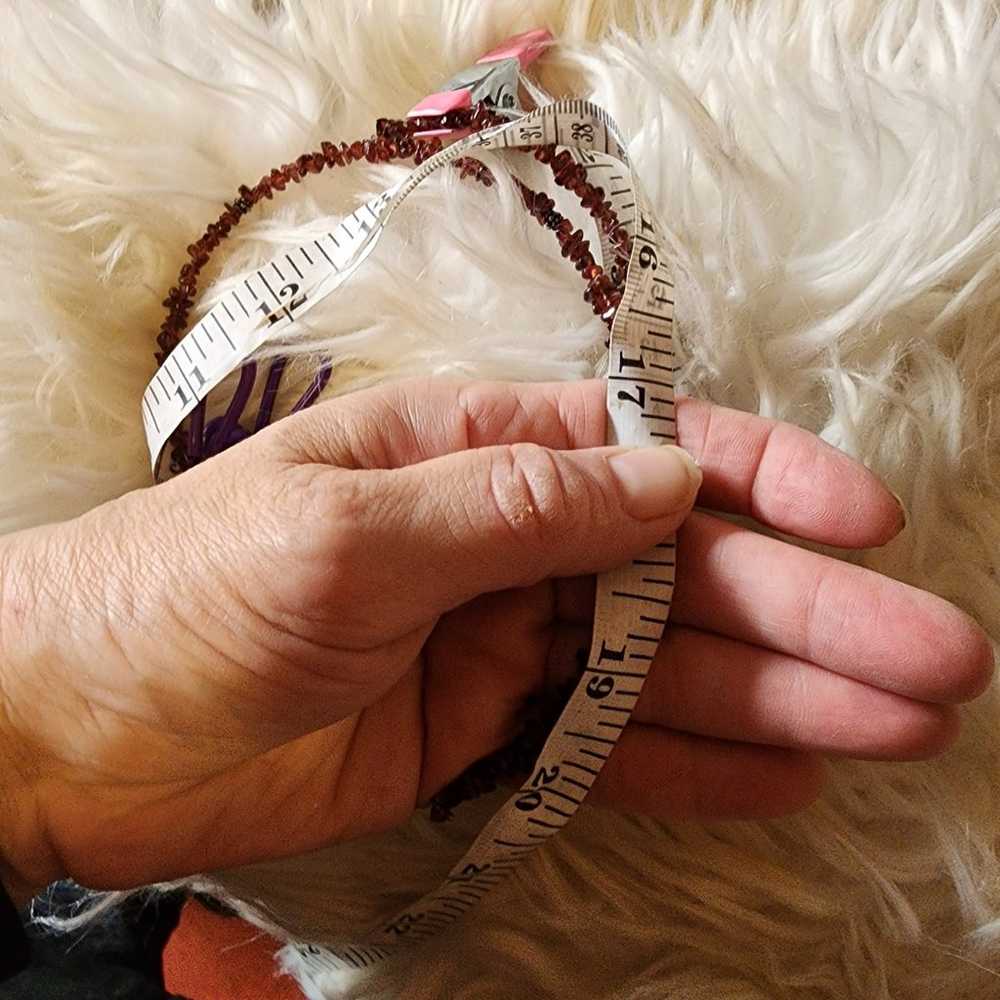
632,602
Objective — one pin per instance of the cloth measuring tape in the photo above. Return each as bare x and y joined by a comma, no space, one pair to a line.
632,602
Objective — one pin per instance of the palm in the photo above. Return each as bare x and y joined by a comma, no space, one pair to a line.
456,700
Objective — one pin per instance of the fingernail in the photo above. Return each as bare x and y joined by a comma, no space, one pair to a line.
656,481
902,510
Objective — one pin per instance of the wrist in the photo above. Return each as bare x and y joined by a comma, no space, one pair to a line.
27,863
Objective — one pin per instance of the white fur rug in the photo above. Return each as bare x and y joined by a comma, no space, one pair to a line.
830,172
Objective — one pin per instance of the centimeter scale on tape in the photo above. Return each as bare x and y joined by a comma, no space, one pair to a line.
632,602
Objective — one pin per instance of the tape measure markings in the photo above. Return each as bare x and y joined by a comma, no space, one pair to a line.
632,602
583,123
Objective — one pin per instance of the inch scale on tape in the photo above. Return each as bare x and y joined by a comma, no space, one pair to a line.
632,602
286,288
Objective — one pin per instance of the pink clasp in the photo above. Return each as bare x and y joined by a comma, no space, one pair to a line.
492,80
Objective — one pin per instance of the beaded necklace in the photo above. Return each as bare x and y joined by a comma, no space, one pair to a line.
393,140
401,140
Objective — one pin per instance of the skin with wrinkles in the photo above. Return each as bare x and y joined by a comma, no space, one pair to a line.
307,636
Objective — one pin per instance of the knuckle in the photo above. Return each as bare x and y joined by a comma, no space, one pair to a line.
493,412
786,464
825,612
309,496
529,492
312,534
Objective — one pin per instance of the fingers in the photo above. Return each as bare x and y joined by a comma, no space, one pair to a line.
449,529
670,775
711,686
706,685
847,619
407,422
786,477
842,617
781,475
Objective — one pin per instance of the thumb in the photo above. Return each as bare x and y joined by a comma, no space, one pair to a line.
509,516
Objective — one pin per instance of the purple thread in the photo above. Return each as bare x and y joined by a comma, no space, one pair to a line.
270,392
196,433
225,431
205,440
315,387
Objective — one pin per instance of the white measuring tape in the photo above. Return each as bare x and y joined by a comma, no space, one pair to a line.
632,602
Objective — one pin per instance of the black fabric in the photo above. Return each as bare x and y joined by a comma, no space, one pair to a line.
14,950
117,957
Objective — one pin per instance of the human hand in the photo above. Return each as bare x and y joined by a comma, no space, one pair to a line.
306,637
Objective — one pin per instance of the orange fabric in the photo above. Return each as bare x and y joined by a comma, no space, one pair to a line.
211,957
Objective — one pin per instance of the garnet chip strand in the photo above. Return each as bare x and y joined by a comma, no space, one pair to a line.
394,139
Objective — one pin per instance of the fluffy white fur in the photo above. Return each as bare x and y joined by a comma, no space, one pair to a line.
829,173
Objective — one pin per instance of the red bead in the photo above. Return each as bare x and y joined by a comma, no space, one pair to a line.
395,139
331,154
561,161
572,243
563,175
